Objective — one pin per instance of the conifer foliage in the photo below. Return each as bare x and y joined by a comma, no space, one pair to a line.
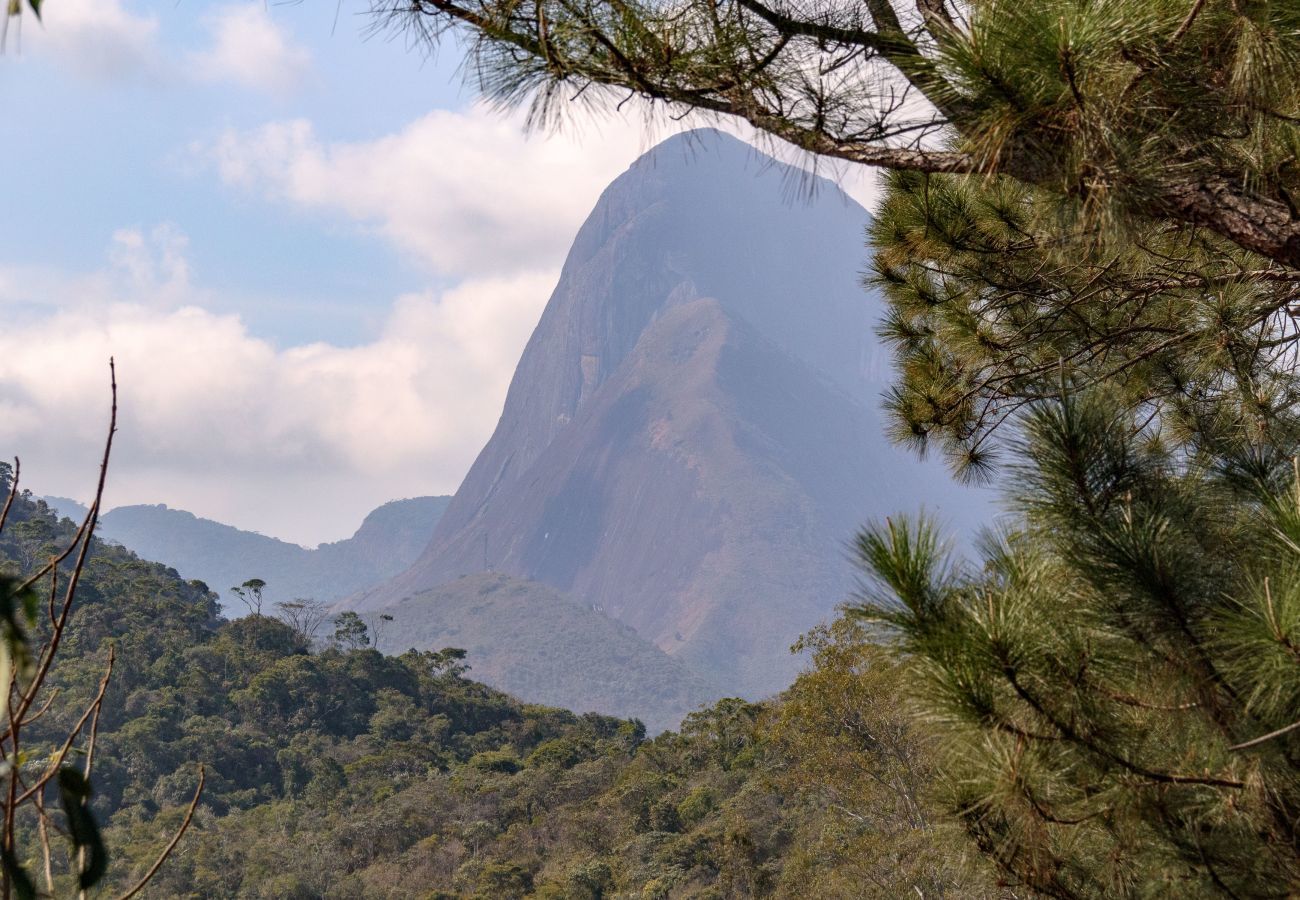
1117,687
995,291
1183,110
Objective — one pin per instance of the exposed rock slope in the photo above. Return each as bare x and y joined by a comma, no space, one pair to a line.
691,436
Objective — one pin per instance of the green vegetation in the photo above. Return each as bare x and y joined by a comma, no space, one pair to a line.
1178,110
345,773
1116,688
1103,253
997,296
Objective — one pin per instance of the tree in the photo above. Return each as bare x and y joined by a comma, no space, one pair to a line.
250,594
849,747
1176,110
1116,686
350,631
304,616
997,294
29,647
378,623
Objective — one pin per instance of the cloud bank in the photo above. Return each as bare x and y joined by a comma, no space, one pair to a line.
250,49
302,441
98,39
107,41
465,193
299,442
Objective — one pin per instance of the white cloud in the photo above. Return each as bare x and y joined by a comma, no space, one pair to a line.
468,193
98,39
250,49
302,441
299,442
153,266
149,267
107,40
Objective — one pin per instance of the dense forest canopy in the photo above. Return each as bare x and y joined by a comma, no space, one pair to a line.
1090,254
342,772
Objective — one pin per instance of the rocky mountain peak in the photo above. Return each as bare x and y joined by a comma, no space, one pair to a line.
691,435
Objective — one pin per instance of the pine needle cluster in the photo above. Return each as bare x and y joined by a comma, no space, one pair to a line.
997,292
1185,111
1118,683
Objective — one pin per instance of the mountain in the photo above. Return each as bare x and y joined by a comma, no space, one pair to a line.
529,640
692,434
389,539
343,773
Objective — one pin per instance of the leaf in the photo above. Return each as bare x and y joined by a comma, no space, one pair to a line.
14,607
36,8
74,795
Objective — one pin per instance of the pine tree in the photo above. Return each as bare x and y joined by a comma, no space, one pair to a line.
1182,111
1117,686
996,291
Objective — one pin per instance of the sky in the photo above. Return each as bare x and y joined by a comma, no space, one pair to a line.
314,253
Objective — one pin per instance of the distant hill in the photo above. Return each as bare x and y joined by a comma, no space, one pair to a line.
529,640
693,432
389,539
521,636
334,773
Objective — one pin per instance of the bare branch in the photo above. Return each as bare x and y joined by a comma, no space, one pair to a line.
171,845
1263,738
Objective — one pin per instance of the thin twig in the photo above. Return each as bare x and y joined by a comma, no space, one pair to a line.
45,707
92,519
54,561
176,838
1266,737
13,492
90,757
1186,25
43,833
58,757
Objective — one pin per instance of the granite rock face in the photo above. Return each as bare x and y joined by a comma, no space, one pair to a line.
692,435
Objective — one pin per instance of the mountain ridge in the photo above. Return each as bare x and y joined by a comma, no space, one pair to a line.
692,434
389,538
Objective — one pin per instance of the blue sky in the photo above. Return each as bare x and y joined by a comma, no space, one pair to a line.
97,145
314,254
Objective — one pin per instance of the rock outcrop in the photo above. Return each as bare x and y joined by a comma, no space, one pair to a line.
692,435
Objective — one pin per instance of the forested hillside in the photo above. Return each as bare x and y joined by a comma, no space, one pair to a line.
345,773
531,641
522,637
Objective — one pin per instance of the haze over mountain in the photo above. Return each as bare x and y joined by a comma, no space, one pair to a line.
389,539
531,641
521,636
692,434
